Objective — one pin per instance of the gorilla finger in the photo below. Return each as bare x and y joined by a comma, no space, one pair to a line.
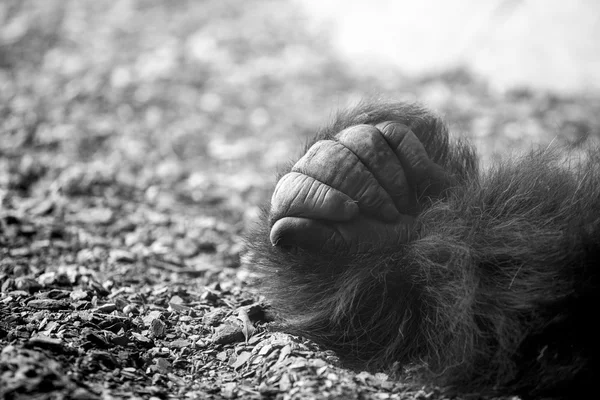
368,144
426,177
299,195
308,234
360,235
335,165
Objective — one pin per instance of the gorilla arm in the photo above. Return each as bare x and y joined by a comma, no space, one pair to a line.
385,244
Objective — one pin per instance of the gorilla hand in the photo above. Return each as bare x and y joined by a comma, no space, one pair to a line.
358,193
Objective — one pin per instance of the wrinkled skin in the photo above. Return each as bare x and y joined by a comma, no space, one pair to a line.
385,243
359,192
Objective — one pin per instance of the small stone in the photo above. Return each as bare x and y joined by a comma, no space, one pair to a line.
214,317
180,343
228,333
158,328
45,342
48,304
79,294
162,365
106,308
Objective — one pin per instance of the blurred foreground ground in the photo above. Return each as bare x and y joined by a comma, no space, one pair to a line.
137,141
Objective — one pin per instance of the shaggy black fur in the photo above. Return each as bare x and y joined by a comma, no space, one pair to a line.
499,290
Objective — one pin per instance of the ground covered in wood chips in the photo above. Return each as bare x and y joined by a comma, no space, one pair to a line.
137,142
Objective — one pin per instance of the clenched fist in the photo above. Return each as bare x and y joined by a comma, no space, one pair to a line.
360,192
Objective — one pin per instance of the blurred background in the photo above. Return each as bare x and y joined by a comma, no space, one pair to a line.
201,100
544,44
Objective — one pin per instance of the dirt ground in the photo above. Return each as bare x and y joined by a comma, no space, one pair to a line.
138,140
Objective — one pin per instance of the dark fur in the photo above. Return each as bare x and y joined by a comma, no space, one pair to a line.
499,290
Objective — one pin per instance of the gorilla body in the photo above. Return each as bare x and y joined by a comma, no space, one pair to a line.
385,243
